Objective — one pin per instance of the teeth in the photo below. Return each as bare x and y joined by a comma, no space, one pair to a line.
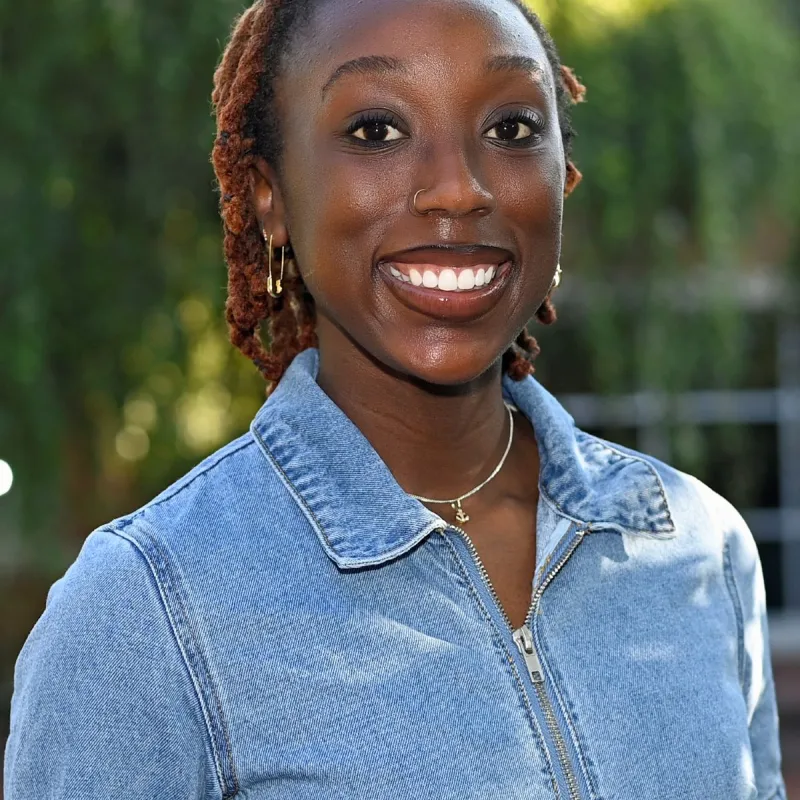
448,281
466,279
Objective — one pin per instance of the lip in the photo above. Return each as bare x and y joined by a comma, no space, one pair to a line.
461,306
450,255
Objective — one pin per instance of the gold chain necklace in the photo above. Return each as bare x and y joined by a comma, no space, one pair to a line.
461,516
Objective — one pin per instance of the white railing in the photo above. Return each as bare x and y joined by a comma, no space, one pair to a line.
647,413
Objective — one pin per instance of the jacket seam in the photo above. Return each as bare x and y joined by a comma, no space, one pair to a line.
343,562
556,507
778,792
292,489
177,617
176,490
733,591
653,471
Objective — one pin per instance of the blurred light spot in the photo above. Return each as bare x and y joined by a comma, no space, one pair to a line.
160,384
619,11
209,356
204,418
122,7
141,411
6,477
670,226
194,314
62,192
132,443
166,380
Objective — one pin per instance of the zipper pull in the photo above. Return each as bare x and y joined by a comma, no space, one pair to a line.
524,641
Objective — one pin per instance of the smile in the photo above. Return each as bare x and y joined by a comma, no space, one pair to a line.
443,278
449,282
447,301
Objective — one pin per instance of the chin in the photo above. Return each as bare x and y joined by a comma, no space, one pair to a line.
446,365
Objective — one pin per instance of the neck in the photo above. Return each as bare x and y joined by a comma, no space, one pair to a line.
439,442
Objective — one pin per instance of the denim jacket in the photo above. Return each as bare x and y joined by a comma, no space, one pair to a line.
286,622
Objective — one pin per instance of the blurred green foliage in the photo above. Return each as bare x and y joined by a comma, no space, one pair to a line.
690,150
115,372
111,341
689,207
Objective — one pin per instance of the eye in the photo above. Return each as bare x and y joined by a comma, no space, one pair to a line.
375,129
517,128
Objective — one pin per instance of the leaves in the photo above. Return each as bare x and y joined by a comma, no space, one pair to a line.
116,375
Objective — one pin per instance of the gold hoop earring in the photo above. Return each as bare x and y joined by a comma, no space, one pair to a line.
557,279
278,287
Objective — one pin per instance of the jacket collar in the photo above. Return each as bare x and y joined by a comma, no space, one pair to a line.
363,517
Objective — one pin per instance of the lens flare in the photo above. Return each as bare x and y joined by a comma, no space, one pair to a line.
6,477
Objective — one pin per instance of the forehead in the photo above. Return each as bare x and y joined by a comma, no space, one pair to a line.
463,33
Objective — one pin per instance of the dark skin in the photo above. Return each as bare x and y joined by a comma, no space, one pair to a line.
425,387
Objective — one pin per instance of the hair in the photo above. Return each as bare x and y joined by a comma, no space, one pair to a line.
248,127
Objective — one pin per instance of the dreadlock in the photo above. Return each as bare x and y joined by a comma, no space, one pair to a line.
247,127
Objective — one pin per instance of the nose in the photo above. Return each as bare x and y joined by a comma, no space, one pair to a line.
450,187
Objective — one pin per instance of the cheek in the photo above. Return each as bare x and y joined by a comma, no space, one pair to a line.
531,201
339,223
532,196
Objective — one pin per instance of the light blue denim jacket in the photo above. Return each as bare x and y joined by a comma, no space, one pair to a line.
286,622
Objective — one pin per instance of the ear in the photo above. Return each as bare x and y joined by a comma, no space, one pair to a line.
573,178
267,201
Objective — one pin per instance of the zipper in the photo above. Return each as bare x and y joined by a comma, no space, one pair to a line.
524,641
523,638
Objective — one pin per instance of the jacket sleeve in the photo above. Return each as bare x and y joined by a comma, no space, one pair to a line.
746,582
103,705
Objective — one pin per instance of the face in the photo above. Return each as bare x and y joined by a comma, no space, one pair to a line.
422,178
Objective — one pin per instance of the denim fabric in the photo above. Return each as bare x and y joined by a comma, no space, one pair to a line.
286,622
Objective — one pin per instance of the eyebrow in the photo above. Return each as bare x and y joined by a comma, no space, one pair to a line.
365,65
515,64
384,65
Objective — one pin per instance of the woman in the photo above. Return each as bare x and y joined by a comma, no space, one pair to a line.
370,594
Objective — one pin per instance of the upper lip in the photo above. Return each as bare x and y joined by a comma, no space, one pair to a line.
450,255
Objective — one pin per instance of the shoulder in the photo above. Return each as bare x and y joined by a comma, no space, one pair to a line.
223,502
692,502
217,477
106,655
133,620
705,521
709,530
228,519
125,557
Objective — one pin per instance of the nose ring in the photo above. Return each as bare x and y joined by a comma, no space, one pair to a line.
414,209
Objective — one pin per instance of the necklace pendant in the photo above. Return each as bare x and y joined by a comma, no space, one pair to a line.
461,515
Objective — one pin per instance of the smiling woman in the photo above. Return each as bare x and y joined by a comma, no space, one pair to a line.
300,616
517,104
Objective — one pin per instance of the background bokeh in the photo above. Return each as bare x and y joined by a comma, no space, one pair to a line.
679,331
